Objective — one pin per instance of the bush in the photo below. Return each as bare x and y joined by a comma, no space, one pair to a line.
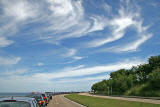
143,90
154,78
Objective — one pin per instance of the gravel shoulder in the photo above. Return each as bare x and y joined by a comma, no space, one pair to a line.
123,98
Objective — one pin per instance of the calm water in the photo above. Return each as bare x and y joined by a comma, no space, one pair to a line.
14,94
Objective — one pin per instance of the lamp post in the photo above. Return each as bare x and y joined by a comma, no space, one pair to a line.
108,90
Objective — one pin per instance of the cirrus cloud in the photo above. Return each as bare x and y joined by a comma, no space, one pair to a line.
5,42
5,61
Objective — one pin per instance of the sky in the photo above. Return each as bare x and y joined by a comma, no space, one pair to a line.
68,45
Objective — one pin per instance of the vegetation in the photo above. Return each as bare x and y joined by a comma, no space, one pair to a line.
141,80
103,102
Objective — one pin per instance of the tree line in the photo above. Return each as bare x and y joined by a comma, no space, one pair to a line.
141,80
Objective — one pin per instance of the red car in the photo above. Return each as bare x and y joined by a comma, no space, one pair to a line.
45,98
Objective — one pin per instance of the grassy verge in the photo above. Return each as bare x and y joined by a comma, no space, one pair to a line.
102,102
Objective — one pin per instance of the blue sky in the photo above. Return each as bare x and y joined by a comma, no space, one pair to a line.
67,45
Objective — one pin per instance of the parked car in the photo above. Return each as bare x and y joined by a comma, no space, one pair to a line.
18,102
39,99
45,99
49,95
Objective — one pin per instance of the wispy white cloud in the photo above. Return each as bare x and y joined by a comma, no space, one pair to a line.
129,17
48,79
15,14
99,23
53,21
21,10
133,46
61,7
73,68
77,57
69,52
107,7
154,4
5,42
117,25
5,61
15,72
95,78
74,59
67,19
40,64
70,23
90,70
62,18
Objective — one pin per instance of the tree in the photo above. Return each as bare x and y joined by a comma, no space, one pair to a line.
94,88
143,72
143,79
116,74
155,78
122,80
154,61
100,86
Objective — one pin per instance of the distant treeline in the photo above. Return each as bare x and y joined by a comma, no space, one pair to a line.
141,80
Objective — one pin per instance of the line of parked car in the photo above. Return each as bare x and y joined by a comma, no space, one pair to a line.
31,100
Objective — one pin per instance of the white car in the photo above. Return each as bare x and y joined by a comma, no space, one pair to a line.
18,102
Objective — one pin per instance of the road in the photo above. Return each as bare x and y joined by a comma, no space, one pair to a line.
123,98
61,101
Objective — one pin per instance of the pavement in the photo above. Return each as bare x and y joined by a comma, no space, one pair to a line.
61,101
124,98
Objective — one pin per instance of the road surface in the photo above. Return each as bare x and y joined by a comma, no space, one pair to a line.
61,101
123,98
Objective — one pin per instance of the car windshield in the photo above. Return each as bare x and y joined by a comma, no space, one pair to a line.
37,97
14,104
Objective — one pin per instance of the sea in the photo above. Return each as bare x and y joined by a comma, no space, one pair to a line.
14,94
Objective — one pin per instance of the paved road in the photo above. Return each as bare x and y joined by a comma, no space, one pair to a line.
60,101
123,98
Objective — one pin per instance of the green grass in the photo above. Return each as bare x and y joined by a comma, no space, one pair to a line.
102,102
